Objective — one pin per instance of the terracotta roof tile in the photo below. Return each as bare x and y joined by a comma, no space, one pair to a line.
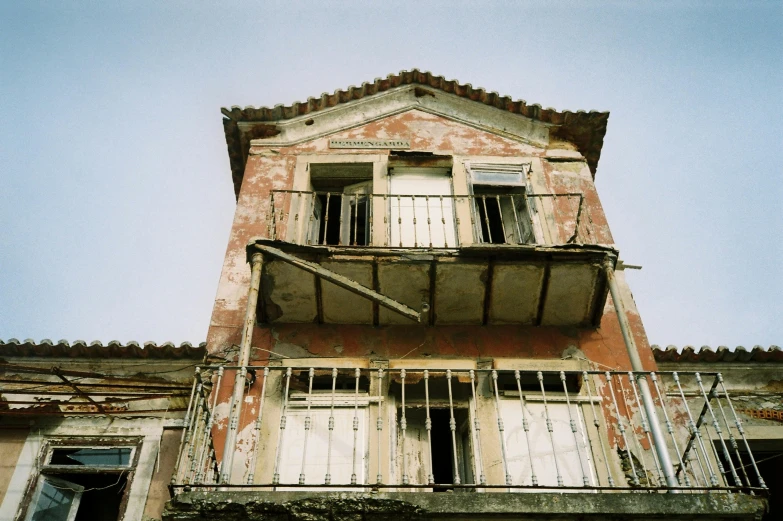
721,354
585,129
96,349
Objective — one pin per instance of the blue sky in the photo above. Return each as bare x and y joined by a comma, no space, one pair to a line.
115,189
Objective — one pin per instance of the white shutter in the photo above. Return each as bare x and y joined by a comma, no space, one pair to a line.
409,188
565,449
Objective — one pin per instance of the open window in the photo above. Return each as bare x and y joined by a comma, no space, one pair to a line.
502,210
340,204
82,481
446,458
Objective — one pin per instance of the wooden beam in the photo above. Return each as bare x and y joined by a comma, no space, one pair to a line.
342,281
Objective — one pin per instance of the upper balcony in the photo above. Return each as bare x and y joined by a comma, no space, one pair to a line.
486,258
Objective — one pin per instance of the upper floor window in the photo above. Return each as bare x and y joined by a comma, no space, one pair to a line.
502,213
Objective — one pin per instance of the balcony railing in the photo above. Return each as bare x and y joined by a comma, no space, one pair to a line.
327,428
427,221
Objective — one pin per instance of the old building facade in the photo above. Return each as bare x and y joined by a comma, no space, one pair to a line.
422,310
422,314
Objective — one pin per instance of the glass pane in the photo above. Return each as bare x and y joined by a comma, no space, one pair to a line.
92,457
55,501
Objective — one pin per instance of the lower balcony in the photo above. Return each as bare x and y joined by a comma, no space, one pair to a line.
406,439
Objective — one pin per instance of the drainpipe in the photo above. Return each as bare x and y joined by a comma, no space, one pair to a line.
237,396
641,378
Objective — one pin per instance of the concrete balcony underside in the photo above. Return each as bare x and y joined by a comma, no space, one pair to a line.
473,285
330,506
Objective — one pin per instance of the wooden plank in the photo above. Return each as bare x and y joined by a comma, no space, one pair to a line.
343,282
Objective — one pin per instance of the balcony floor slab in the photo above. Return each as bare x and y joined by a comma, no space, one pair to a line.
398,506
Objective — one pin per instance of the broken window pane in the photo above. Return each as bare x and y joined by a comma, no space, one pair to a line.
92,457
57,500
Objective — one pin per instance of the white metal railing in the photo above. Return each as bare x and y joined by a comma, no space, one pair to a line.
426,221
430,429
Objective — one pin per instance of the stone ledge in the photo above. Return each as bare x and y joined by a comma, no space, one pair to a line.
401,506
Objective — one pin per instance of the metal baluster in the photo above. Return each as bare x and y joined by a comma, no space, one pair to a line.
273,212
732,441
629,417
235,422
621,428
252,475
177,473
550,428
379,425
340,229
308,232
328,477
502,224
575,431
370,220
415,231
501,428
477,431
646,427
429,228
695,435
386,224
718,431
198,463
307,424
526,428
403,428
211,470
326,217
190,476
399,218
443,220
296,215
428,426
355,424
208,439
741,430
453,427
670,430
486,217
284,410
597,424
516,218
355,217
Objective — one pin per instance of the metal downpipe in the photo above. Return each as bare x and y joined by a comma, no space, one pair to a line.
641,379
243,359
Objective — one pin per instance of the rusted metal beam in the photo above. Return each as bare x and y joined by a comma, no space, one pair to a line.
56,372
342,281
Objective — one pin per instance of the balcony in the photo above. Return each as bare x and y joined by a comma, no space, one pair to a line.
482,259
553,441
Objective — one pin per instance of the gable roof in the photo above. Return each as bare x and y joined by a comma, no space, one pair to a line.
585,129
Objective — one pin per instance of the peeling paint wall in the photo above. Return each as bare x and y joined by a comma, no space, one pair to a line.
557,168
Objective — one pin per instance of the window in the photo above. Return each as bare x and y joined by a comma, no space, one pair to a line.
445,457
82,481
340,204
502,211
421,208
